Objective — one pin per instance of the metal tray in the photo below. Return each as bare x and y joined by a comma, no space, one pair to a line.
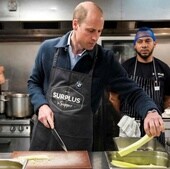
12,164
157,158
152,145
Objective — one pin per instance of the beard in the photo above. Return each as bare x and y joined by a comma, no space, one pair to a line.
144,56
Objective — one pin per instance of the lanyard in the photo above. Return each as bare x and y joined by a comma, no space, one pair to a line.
156,86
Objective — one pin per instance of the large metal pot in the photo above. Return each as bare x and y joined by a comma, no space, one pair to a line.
4,98
2,104
19,105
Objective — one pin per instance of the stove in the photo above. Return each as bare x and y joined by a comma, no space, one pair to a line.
15,134
15,127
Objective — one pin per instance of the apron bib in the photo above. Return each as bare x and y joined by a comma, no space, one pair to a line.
153,89
69,97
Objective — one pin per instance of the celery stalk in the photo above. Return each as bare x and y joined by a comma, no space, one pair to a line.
134,146
123,164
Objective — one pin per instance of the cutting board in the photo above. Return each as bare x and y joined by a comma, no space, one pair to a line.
56,159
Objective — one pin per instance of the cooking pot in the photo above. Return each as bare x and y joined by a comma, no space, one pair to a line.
19,105
4,101
2,104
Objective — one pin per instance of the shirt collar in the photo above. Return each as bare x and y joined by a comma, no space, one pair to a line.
69,44
69,38
91,52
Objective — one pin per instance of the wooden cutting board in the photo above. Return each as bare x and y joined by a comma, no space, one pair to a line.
56,159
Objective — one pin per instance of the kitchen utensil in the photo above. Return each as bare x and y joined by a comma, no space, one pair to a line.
131,165
12,164
134,146
145,158
58,138
19,105
3,103
152,145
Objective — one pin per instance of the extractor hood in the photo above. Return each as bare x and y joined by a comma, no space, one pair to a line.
38,20
40,30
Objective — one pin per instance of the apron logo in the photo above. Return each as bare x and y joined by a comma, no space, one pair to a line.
67,99
79,84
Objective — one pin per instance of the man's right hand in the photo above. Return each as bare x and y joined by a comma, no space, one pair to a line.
153,124
46,116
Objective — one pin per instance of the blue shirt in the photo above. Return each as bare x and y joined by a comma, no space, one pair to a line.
73,58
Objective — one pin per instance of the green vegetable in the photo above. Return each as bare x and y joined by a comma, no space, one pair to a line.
130,165
134,146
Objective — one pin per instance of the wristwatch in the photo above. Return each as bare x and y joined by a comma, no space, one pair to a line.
152,111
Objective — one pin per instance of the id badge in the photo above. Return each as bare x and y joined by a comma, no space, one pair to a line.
157,88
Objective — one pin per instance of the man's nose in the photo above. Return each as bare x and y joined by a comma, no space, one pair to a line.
96,36
144,44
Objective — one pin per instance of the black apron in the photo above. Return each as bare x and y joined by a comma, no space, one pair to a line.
152,86
69,97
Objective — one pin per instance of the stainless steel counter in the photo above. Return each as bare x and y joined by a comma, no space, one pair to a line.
98,160
5,155
167,133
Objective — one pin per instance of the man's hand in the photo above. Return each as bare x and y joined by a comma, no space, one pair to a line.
46,116
153,124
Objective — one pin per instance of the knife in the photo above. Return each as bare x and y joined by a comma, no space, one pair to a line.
58,138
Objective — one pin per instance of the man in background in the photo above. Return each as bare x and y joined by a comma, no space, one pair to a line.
148,72
2,76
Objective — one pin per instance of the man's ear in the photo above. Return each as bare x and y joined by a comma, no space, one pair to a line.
155,43
134,47
75,24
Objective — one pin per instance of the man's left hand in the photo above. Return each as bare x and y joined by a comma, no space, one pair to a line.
153,124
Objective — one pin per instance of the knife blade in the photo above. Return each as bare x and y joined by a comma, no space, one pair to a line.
58,138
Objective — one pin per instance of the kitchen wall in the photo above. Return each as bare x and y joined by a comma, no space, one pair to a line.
18,59
162,50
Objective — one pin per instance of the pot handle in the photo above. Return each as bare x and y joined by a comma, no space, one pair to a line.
4,100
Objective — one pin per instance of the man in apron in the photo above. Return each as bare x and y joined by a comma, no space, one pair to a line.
68,80
149,73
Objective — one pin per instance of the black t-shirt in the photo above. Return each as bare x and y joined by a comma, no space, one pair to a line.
147,70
